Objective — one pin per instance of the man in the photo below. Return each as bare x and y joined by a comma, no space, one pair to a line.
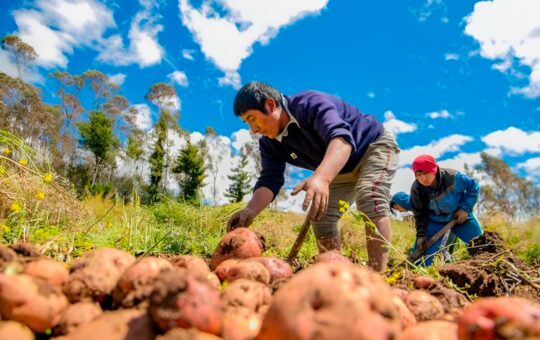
438,196
352,156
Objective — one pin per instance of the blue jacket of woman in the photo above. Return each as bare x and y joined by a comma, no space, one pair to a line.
454,191
403,200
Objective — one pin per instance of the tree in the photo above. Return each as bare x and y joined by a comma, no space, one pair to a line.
157,159
214,157
502,190
165,97
20,51
190,166
98,137
240,181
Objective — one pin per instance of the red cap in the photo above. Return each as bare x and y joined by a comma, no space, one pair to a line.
425,163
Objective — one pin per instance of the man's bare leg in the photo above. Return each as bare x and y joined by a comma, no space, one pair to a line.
377,247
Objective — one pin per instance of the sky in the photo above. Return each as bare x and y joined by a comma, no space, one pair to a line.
449,78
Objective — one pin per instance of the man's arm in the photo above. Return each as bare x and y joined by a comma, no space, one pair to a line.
317,186
262,197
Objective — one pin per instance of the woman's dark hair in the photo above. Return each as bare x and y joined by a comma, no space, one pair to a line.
253,95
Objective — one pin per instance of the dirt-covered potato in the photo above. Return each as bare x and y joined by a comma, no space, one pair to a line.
240,323
94,276
431,330
424,306
187,334
31,301
123,324
224,267
332,300
183,300
246,293
247,269
192,264
500,318
331,256
406,317
423,282
136,283
241,243
76,315
51,271
278,268
13,330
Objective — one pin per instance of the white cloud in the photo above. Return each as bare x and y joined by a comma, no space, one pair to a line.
427,10
29,73
227,37
118,78
451,56
188,54
444,114
370,94
509,30
143,120
458,162
513,140
531,166
232,79
395,125
436,148
179,77
241,138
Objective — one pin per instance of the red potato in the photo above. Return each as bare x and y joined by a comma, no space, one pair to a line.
240,323
192,264
136,283
431,330
406,317
278,268
331,256
183,300
424,282
123,324
13,330
224,267
76,315
246,293
499,318
401,293
187,334
241,243
247,269
332,300
94,276
31,301
424,306
51,271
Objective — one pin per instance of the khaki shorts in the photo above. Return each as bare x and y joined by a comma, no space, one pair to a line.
368,185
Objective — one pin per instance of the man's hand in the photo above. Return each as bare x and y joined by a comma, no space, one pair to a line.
421,243
461,216
316,194
242,218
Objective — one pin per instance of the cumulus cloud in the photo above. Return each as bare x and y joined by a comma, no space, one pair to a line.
531,166
117,79
436,148
508,31
397,126
231,79
179,78
444,114
513,141
227,34
29,74
143,119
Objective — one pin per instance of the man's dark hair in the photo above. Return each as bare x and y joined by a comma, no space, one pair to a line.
253,95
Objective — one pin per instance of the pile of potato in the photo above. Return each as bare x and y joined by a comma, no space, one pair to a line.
240,294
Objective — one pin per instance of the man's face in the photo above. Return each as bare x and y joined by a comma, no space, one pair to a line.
427,179
265,124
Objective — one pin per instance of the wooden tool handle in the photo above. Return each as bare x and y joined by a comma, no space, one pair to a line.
299,239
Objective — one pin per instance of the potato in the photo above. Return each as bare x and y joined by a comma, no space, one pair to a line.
224,267
331,256
51,271
31,301
94,276
278,268
247,269
406,317
500,318
182,300
332,300
431,330
424,282
192,264
240,323
136,283
13,330
25,250
123,324
76,315
246,293
241,243
424,306
187,334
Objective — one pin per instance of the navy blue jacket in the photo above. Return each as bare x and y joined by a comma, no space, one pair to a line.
454,191
321,117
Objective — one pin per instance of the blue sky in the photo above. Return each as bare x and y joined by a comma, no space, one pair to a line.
450,78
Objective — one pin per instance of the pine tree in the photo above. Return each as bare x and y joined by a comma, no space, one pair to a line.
240,179
157,159
190,166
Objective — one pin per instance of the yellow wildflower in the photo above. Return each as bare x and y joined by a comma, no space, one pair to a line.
16,207
40,195
109,225
6,151
48,177
23,162
5,228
